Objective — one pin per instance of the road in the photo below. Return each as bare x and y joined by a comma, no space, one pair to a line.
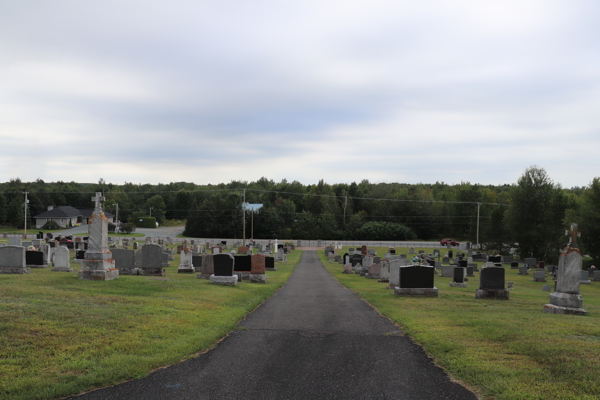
313,339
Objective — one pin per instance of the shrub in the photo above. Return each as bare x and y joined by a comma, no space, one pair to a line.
51,225
111,227
127,228
145,222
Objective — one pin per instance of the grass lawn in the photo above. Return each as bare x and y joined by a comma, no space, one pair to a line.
30,230
502,349
173,222
61,336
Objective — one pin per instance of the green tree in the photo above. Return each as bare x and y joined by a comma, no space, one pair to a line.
157,204
590,220
535,219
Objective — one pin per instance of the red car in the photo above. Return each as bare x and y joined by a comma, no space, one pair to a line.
445,242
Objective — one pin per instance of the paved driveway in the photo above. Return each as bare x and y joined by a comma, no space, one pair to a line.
313,339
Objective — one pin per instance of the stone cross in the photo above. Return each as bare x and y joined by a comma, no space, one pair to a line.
574,234
98,199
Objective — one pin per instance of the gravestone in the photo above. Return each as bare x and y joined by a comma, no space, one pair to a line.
416,280
514,265
223,267
98,263
523,270
348,269
531,262
330,257
125,261
447,271
567,298
257,269
12,260
35,259
373,271
585,278
539,276
153,260
470,272
458,278
197,263
185,262
596,276
60,260
384,272
346,258
80,255
14,241
394,276
392,250
371,252
337,259
207,269
243,250
376,260
270,264
356,259
411,250
491,284
363,250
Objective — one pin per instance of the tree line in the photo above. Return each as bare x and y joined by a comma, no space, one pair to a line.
530,215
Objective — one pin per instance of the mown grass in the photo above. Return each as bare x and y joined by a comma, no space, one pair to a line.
62,336
30,230
500,349
173,222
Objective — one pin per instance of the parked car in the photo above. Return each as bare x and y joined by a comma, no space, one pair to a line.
444,242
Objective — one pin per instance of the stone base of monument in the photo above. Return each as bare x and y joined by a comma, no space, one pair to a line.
224,280
501,294
257,278
551,308
15,270
457,284
371,276
243,276
270,269
588,282
36,266
98,274
347,272
534,279
384,280
363,273
186,270
152,271
426,292
62,269
129,271
203,276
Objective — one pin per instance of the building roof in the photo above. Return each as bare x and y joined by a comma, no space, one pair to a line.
86,213
69,212
60,212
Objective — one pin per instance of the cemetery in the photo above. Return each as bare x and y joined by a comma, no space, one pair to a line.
484,313
498,334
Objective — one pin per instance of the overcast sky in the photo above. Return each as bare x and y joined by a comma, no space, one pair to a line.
214,91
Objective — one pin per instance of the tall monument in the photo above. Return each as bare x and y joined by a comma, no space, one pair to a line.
566,299
98,263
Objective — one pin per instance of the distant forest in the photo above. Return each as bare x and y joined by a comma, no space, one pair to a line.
533,212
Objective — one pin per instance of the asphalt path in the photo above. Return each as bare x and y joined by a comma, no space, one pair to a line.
312,339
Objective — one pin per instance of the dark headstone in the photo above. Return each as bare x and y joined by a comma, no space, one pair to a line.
414,276
514,264
70,245
49,235
223,264
462,263
346,258
197,263
80,254
495,259
243,263
393,251
459,274
450,253
356,259
224,242
469,271
34,258
431,262
269,262
492,278
52,244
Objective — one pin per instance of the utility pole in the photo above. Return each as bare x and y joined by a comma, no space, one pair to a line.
244,218
150,211
117,218
345,204
478,205
252,226
26,201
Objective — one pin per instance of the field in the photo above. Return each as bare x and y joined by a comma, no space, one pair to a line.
61,336
501,349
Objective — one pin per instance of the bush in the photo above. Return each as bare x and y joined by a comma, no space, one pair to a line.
51,225
127,228
111,227
376,230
